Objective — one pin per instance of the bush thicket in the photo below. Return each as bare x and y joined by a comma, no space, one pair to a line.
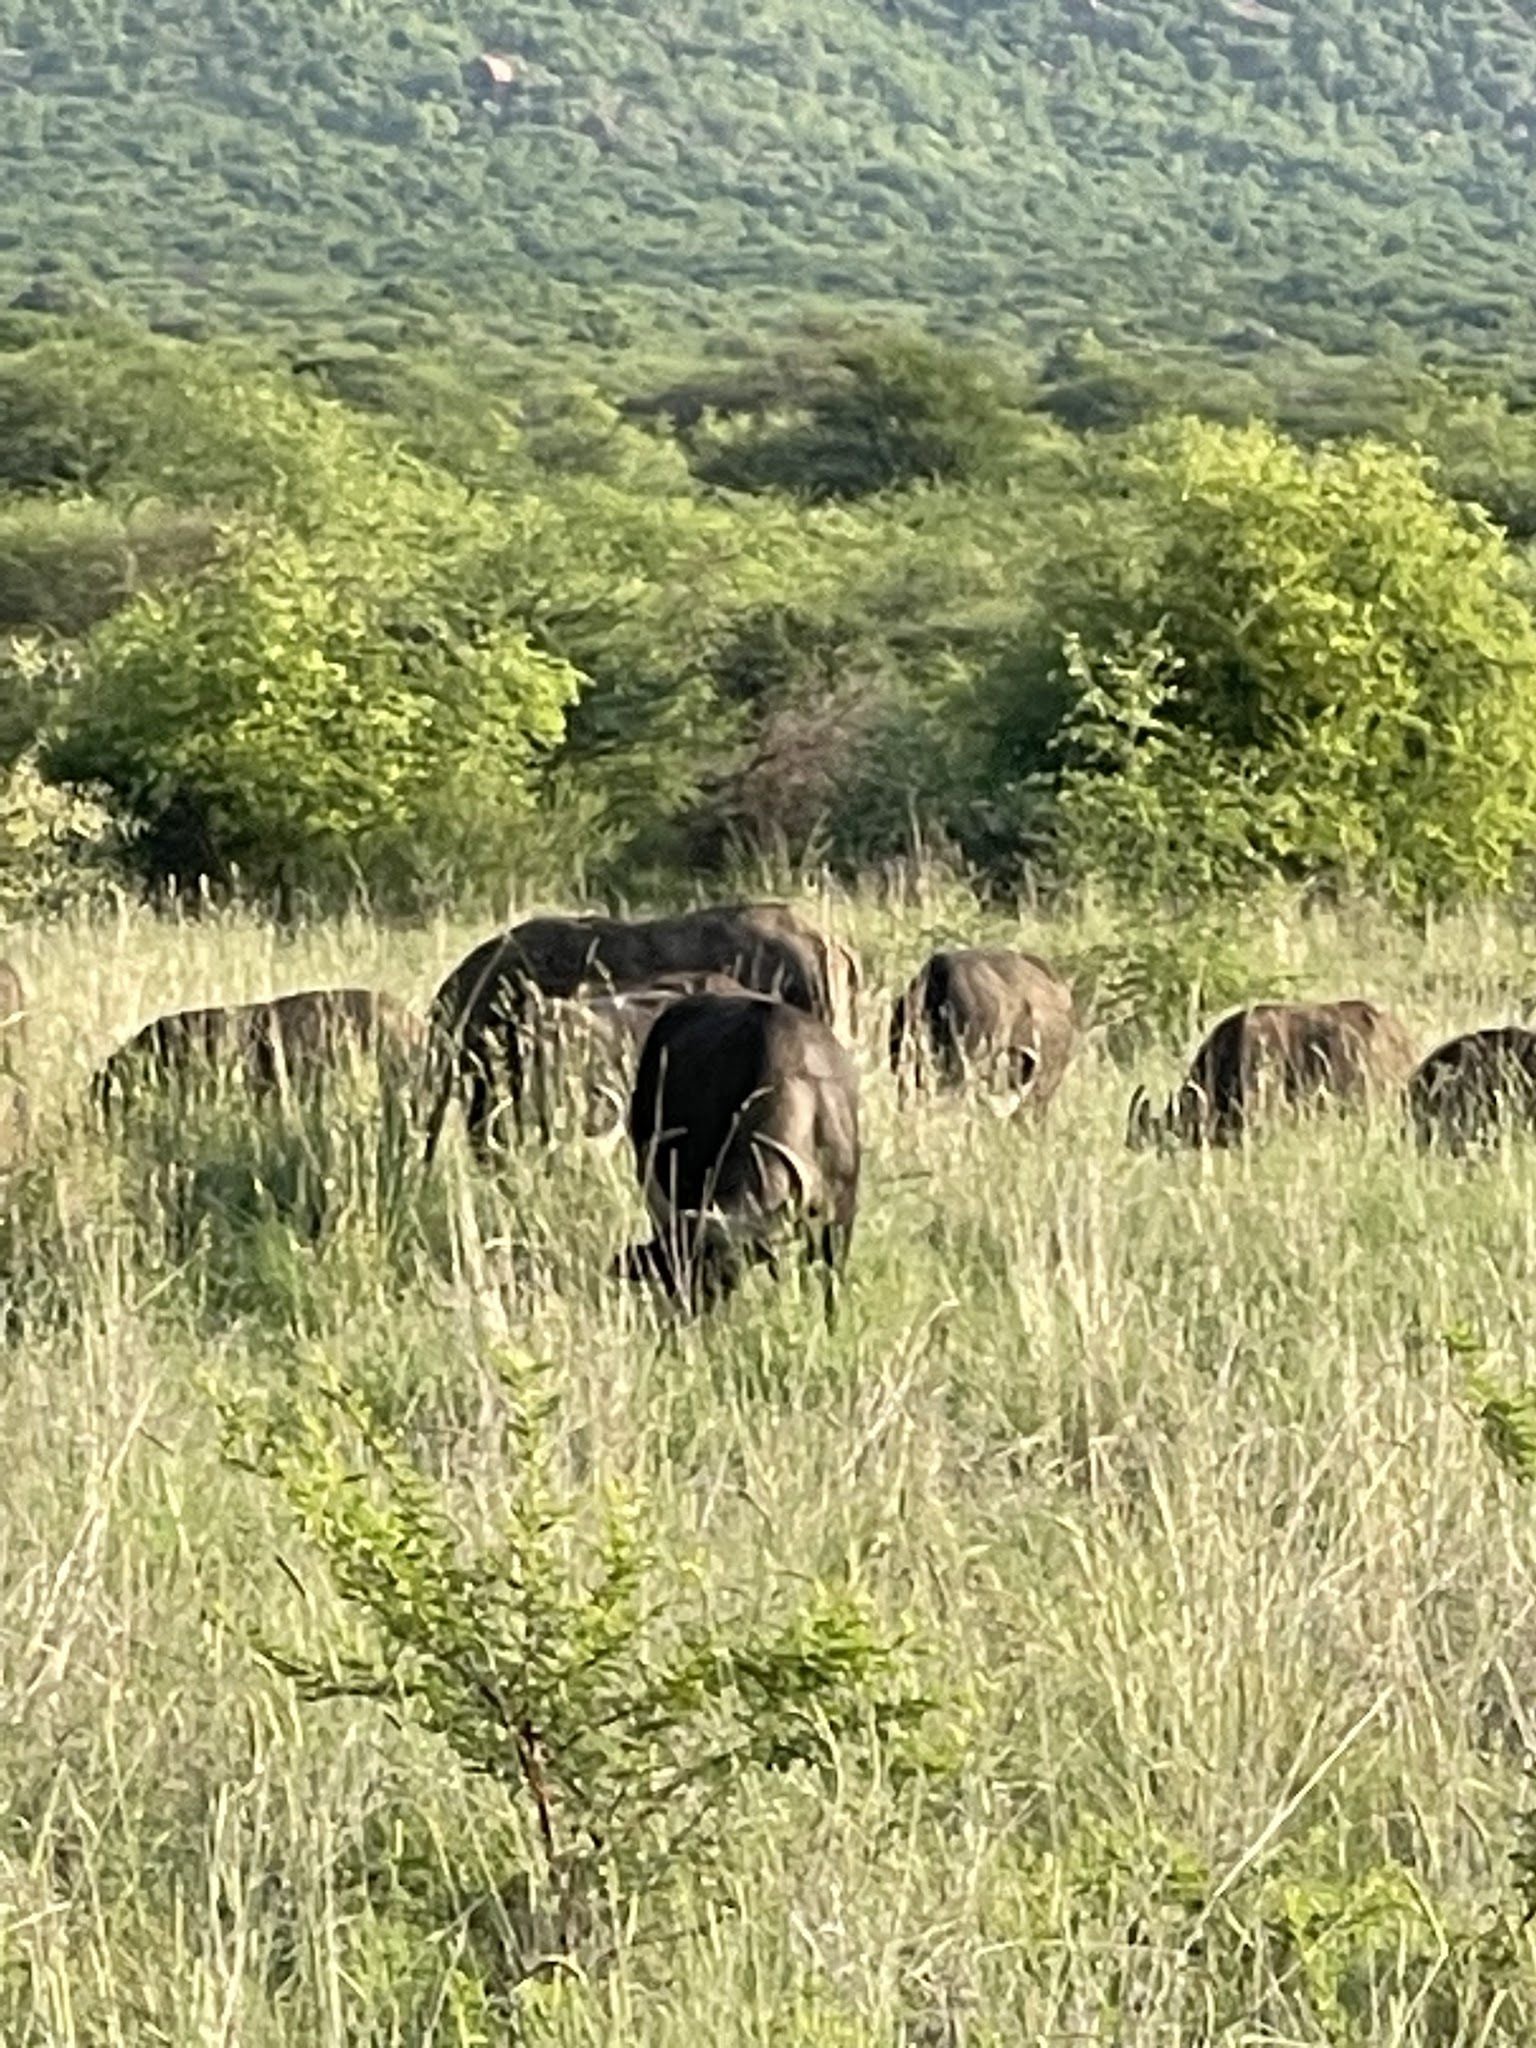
319,641
1297,663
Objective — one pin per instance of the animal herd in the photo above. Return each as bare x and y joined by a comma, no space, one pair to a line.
712,1039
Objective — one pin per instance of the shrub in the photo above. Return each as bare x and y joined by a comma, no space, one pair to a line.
1161,979
309,710
607,1691
58,847
1305,663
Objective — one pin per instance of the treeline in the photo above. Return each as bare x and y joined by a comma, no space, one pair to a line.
1350,175
373,624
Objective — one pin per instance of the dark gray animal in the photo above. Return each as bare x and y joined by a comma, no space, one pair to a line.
484,1006
1300,1055
1472,1087
288,1040
1001,1018
745,1126
580,1053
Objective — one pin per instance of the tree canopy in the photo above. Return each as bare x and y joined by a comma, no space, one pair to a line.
315,638
1344,173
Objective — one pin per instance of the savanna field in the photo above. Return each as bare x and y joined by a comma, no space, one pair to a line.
1184,1501
1077,457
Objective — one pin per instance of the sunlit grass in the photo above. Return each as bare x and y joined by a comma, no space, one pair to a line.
1177,1465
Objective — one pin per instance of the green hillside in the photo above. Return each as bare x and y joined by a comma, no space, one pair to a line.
1345,173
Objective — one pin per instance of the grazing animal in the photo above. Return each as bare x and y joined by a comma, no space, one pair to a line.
583,1051
483,1007
1005,1019
1298,1054
292,1039
1467,1090
745,1126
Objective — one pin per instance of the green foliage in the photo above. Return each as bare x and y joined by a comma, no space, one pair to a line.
894,411
1505,1411
1348,174
59,848
1486,453
1348,1933
456,620
321,710
1143,801
1158,980
65,566
315,677
606,1690
1342,1937
1305,663
128,418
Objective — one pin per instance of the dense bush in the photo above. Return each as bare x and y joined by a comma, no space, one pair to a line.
314,712
894,411
1307,663
317,645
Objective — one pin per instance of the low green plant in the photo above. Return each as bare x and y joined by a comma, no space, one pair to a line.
613,1696
1505,1411
1158,981
1341,1935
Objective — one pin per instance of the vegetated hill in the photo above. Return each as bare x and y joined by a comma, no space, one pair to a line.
1342,171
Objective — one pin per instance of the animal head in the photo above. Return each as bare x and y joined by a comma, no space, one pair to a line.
695,1282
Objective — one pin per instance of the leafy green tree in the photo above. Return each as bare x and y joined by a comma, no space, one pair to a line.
897,410
129,417
313,710
1311,663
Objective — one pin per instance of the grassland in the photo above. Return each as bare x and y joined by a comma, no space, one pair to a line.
1177,1468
